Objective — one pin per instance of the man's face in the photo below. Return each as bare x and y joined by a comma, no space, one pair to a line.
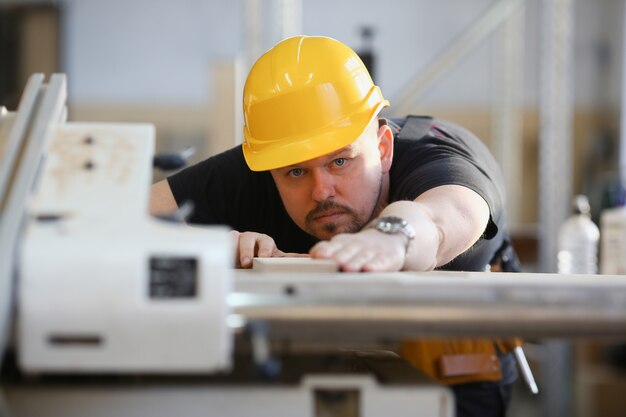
338,192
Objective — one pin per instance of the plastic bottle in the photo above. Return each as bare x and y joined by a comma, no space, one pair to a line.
578,241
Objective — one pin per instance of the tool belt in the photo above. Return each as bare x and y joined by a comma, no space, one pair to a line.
459,361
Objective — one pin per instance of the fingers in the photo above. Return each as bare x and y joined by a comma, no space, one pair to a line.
235,238
364,251
265,246
359,261
251,244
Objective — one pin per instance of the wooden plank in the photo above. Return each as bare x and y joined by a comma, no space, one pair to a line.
294,264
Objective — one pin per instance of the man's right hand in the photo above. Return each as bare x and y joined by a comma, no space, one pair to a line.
251,244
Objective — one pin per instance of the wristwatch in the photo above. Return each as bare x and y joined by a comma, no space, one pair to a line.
393,225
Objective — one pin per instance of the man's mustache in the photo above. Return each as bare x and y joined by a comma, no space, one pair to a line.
323,206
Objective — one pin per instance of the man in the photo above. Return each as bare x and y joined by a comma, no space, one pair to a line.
319,173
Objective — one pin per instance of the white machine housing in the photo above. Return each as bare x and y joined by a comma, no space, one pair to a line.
103,286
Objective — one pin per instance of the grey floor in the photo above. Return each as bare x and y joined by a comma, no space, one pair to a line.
523,403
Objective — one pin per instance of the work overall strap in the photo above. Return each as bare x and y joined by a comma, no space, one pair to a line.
415,127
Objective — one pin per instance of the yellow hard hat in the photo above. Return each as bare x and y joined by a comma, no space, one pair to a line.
304,98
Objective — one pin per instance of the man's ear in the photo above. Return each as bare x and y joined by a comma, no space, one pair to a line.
385,147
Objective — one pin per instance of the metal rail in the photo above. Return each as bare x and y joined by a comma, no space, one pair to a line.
340,307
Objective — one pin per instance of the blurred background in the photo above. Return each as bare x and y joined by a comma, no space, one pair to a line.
540,81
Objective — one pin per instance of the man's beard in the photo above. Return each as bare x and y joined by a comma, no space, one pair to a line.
354,224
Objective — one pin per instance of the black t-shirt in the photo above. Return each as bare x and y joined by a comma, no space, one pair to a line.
225,191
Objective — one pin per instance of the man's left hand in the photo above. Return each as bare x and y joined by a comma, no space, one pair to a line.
368,251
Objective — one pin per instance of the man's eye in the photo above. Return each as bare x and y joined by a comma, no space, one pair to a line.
296,172
339,162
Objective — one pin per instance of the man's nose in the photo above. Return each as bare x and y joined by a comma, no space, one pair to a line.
323,185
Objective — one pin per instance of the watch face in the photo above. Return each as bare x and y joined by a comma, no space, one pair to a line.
389,227
391,224
394,225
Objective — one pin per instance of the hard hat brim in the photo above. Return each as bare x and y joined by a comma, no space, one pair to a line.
282,154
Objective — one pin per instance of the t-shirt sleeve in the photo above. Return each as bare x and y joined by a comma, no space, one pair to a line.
217,186
449,155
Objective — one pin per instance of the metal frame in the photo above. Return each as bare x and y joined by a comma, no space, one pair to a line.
555,135
507,112
476,33
42,105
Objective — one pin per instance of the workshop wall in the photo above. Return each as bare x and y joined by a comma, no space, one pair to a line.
140,51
